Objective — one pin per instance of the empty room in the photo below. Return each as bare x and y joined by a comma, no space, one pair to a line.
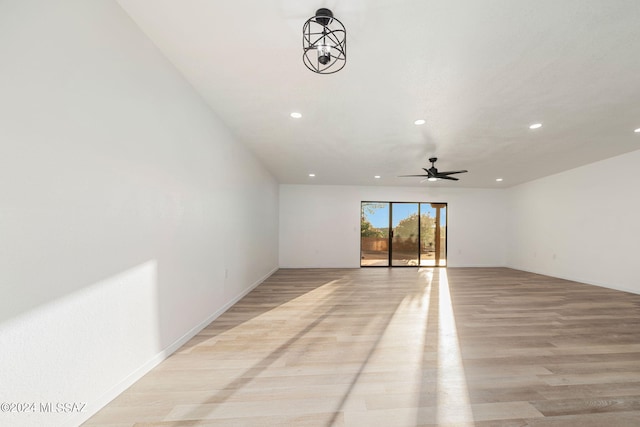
319,213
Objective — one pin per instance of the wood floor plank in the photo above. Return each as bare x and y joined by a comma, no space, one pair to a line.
479,347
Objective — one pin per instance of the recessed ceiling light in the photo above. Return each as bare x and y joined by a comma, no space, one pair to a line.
498,179
312,175
296,115
377,177
535,126
637,130
419,122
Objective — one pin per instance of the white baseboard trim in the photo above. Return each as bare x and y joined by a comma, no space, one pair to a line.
92,408
476,266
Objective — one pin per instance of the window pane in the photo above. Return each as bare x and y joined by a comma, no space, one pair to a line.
374,234
404,243
433,234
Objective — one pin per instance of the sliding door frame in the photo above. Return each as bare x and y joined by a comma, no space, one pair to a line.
390,236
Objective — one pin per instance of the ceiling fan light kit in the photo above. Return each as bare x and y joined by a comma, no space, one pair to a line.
324,43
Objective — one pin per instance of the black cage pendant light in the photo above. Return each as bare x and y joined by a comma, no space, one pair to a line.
324,40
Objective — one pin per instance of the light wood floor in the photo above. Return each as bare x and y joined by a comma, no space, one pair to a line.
483,347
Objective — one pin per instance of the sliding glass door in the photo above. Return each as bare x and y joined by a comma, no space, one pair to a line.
400,234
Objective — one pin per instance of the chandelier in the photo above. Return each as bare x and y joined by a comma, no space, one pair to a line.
324,41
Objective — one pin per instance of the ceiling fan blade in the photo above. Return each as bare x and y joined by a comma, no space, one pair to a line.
451,172
432,173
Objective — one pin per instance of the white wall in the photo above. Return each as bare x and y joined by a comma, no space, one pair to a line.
320,225
129,217
583,224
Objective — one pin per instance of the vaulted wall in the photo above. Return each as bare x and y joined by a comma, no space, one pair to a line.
129,216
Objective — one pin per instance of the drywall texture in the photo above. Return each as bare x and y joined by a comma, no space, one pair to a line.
129,216
320,225
580,225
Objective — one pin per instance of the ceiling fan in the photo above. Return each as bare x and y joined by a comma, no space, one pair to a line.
434,175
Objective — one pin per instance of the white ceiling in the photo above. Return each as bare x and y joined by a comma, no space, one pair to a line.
478,72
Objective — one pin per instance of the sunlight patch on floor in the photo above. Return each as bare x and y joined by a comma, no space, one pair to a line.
399,354
280,313
453,394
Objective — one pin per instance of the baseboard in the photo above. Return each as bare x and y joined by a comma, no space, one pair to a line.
476,266
127,382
